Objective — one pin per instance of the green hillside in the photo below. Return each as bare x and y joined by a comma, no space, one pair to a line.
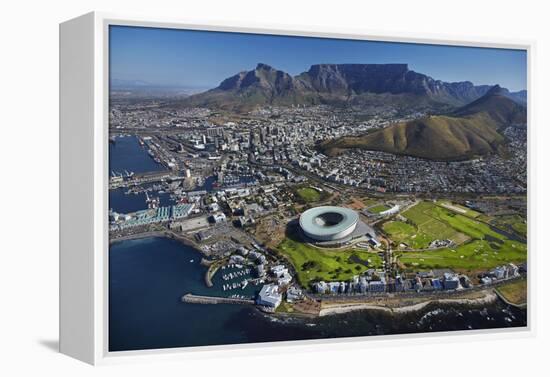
470,131
435,137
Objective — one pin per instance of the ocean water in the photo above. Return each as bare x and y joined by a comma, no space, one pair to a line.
147,278
127,154
121,202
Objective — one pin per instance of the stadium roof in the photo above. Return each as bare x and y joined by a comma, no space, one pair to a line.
328,220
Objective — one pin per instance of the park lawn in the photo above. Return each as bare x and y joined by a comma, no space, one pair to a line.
308,194
313,264
514,292
379,208
471,257
401,232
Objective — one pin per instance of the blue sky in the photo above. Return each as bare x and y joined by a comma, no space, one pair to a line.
203,59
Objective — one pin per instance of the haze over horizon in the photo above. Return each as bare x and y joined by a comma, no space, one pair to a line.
202,59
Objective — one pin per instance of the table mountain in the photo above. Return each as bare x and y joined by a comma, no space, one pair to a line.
337,84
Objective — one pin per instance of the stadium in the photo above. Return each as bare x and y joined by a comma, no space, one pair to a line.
329,226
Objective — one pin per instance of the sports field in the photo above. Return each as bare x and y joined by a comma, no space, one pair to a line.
378,208
308,194
313,264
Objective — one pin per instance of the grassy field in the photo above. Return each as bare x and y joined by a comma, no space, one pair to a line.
432,223
308,194
487,248
514,292
466,225
313,264
478,255
401,232
378,208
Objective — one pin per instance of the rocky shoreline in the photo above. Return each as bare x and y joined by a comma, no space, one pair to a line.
489,297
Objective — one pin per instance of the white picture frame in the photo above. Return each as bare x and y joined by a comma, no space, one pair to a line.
84,240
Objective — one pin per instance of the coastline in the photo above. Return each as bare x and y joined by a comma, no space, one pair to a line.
328,309
489,297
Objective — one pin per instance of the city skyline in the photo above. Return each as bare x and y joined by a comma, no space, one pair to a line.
170,57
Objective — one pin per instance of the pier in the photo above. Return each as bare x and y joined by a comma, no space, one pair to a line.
194,299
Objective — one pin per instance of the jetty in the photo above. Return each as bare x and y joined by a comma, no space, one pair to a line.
195,299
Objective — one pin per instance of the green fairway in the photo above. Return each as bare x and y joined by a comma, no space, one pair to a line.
474,256
401,232
308,194
442,223
432,223
314,264
466,225
379,208
417,213
487,248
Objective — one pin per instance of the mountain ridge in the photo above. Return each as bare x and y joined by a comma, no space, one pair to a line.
336,84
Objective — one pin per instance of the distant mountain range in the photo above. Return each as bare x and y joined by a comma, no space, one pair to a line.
142,88
470,131
119,83
340,85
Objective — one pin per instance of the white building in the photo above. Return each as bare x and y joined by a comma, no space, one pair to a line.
285,279
293,294
269,296
279,270
392,211
218,217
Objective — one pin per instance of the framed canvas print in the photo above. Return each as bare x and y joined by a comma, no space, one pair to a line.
224,187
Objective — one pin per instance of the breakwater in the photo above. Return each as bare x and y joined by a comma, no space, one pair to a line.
196,299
